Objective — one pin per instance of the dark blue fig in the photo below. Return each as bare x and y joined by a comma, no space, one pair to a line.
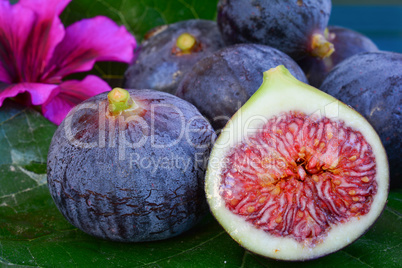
131,170
346,43
371,83
169,51
295,27
219,84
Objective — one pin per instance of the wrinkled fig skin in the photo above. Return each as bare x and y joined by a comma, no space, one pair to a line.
283,24
158,68
371,83
346,42
221,83
131,200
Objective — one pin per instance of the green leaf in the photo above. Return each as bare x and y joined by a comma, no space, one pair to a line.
142,15
138,17
34,233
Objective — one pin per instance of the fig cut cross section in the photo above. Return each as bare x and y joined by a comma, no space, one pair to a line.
299,176
296,174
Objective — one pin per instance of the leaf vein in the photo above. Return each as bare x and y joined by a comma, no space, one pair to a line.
13,116
118,13
358,259
21,192
243,261
6,137
31,130
32,257
191,8
395,212
69,254
187,250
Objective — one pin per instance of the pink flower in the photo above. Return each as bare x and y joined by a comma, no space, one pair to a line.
37,52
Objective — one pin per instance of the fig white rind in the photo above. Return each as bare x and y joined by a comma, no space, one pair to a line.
281,92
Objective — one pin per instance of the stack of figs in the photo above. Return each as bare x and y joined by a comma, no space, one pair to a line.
285,128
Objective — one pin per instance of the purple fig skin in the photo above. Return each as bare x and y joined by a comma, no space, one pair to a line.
371,83
156,67
219,84
283,24
131,178
346,42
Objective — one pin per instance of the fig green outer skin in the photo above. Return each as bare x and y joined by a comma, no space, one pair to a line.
371,83
280,92
283,24
219,84
136,181
158,68
346,42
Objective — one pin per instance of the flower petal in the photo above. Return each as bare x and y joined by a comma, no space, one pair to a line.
47,33
39,92
88,41
15,26
29,30
69,94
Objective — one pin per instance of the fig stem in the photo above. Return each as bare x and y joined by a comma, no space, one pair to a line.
186,42
119,101
280,75
278,71
321,47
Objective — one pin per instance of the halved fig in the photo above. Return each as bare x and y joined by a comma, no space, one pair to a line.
296,174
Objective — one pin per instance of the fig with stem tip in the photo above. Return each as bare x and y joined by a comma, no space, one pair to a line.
129,165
